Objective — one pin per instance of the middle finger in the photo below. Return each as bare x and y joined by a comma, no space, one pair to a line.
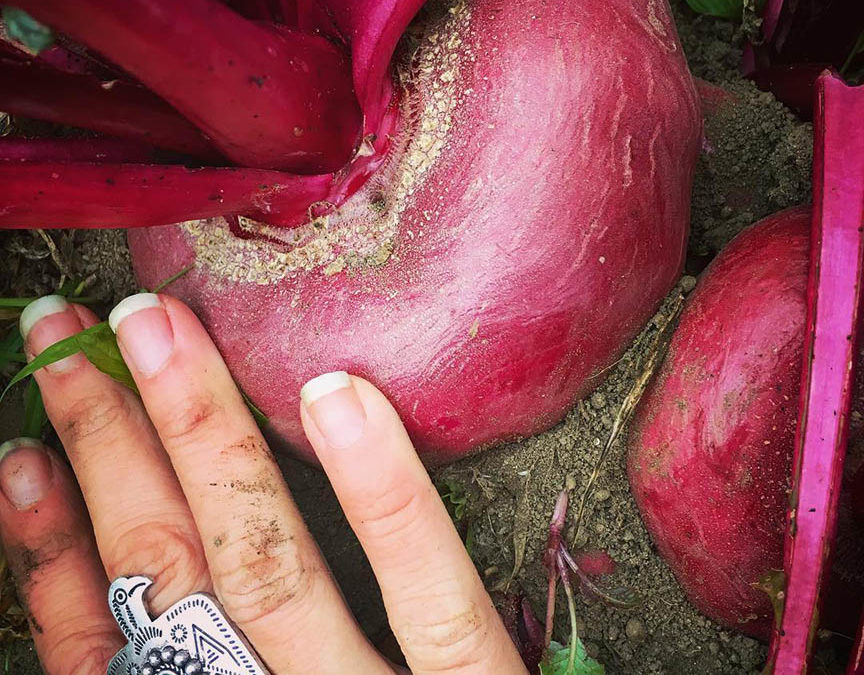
267,570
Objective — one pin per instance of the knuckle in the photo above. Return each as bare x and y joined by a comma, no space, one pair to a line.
95,416
455,641
392,513
171,555
190,419
260,573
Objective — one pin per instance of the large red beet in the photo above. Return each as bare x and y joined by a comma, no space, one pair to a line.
529,218
712,440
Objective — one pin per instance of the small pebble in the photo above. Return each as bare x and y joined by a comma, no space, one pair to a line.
688,283
714,648
602,495
635,631
598,400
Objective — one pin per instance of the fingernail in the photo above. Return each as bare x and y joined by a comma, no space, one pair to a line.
334,406
26,473
46,321
143,331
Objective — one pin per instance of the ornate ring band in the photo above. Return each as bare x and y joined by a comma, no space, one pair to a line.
194,637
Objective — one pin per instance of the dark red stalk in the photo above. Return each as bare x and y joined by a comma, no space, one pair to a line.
51,195
550,559
278,11
770,16
373,29
856,658
75,59
268,97
118,109
97,150
834,294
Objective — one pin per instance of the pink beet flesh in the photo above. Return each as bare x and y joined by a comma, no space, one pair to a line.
504,255
711,444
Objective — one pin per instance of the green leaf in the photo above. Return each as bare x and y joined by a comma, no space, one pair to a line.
857,48
557,661
26,30
10,348
99,345
35,416
454,497
260,418
726,9
56,352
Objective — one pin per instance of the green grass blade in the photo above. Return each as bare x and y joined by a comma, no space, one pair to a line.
35,416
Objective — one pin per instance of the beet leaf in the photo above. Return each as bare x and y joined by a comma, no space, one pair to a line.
26,30
726,9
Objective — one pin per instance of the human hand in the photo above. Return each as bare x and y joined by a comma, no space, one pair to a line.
181,487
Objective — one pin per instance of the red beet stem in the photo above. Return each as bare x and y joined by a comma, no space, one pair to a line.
98,150
268,97
118,109
856,658
373,29
278,11
53,195
770,17
837,259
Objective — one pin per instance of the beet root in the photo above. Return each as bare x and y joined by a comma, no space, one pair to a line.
529,217
712,441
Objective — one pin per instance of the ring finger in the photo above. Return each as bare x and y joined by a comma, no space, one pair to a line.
141,520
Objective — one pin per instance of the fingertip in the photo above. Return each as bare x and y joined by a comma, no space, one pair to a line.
26,472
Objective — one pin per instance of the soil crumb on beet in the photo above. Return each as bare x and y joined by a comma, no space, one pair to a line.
757,161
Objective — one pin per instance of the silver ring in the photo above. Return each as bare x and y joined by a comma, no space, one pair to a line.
194,637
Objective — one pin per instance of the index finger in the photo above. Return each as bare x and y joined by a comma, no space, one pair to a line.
438,608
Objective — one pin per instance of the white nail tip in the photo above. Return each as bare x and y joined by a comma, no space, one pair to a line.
38,310
319,387
16,443
130,305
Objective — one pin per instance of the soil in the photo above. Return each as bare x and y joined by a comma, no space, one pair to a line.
756,161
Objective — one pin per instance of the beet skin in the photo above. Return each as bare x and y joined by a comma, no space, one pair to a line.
711,444
531,214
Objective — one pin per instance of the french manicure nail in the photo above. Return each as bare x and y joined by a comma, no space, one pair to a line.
46,321
26,473
332,402
143,331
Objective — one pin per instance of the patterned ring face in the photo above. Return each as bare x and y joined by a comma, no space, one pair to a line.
192,637
171,661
